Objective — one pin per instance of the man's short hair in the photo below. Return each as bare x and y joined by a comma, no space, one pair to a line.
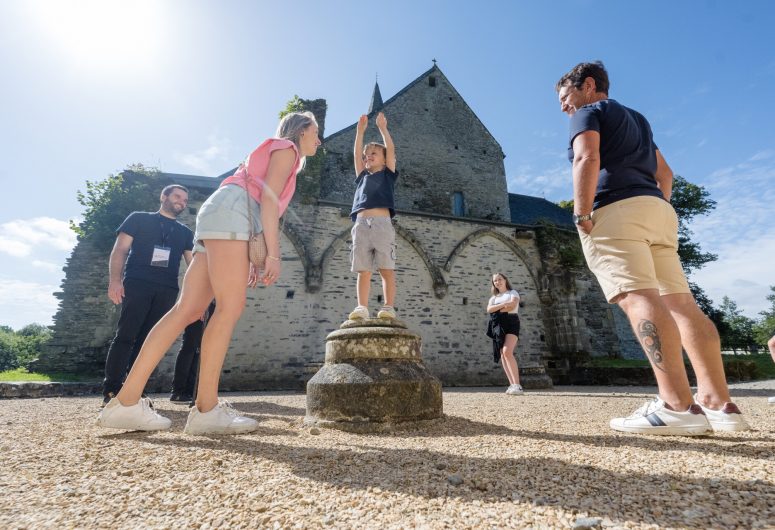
168,189
581,71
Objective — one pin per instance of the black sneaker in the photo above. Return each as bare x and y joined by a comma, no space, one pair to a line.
176,397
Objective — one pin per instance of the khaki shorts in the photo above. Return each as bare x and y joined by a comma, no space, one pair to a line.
374,244
634,245
224,215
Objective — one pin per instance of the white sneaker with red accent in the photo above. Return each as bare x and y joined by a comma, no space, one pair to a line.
655,418
727,418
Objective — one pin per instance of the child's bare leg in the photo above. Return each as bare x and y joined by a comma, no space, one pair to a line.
364,284
388,285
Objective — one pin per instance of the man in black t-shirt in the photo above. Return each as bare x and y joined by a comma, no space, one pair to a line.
148,251
629,234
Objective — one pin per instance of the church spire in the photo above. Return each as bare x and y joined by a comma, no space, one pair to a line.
376,99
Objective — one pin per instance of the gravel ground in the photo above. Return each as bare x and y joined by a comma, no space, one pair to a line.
543,460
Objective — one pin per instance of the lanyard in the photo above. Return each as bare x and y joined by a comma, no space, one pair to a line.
165,235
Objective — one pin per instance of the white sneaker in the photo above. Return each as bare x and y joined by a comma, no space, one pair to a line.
137,417
771,400
222,419
359,313
728,418
655,418
387,312
515,390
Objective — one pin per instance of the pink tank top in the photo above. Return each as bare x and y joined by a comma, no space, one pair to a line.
254,171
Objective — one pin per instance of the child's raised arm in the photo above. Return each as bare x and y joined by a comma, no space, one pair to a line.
360,129
390,156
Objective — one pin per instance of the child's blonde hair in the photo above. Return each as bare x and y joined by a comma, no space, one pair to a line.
375,144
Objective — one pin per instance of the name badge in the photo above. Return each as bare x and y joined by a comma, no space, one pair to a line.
161,256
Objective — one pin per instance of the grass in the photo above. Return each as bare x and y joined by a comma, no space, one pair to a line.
765,367
22,375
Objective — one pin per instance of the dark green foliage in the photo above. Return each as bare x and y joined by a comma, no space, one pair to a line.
17,348
765,328
689,201
109,201
295,104
739,332
565,243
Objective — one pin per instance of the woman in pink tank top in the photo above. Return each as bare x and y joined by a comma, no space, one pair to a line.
221,270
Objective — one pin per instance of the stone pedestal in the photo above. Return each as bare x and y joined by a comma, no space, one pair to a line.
373,378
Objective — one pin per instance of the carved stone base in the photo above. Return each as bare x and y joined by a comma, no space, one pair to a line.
372,380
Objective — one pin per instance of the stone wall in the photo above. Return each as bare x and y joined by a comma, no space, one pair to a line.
441,147
443,278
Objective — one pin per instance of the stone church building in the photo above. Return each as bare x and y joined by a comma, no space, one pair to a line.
456,225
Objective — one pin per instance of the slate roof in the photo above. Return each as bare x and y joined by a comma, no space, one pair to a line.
527,210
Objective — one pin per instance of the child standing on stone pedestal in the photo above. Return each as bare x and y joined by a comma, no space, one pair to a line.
373,236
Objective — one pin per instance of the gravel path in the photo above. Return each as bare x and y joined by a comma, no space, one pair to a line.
542,460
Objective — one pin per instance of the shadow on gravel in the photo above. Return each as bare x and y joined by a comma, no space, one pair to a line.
671,500
719,443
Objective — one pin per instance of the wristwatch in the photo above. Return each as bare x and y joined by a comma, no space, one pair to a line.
578,219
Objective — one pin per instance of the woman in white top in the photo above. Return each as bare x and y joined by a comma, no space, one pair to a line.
503,328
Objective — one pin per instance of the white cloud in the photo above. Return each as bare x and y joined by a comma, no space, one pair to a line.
203,161
23,237
741,231
744,272
554,183
46,265
26,303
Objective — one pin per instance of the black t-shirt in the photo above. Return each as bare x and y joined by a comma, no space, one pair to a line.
149,230
374,190
628,160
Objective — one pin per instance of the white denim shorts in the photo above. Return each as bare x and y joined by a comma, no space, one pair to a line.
224,215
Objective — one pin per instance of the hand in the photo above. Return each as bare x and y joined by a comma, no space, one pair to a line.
116,292
381,121
252,276
585,226
363,121
271,272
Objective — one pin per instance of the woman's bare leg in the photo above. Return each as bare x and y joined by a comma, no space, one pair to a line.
508,360
194,299
228,268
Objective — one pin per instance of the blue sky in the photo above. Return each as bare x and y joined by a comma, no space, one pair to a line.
191,86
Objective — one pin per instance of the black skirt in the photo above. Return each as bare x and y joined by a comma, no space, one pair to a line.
500,325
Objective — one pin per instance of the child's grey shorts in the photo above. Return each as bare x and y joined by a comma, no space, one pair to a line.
374,244
224,215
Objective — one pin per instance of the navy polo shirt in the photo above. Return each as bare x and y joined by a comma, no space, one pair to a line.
628,160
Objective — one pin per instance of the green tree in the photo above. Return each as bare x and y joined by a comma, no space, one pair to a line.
690,200
17,348
740,334
109,201
765,327
295,104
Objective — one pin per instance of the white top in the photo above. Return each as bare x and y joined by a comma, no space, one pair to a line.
505,297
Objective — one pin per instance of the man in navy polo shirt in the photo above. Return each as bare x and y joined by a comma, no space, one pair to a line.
150,244
629,234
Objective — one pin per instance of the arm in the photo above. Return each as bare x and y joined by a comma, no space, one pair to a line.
188,256
390,157
360,129
664,177
586,171
280,166
116,266
508,306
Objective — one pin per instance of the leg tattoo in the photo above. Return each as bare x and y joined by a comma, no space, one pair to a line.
647,332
